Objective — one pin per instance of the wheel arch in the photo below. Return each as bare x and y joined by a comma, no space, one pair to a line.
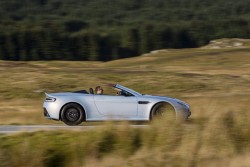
84,111
167,102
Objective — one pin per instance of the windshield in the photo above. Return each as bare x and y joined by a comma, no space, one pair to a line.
115,89
127,89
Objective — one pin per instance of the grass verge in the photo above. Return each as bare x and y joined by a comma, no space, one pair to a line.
220,141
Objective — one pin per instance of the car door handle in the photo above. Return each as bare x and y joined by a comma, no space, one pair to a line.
143,102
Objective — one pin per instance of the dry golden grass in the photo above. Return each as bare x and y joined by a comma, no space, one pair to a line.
185,73
214,82
218,140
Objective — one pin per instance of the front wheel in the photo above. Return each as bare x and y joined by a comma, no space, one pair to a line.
163,111
72,114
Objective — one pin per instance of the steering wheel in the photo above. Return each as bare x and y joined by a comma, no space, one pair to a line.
91,91
121,93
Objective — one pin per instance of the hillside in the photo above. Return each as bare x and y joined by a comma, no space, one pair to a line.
184,73
215,82
106,30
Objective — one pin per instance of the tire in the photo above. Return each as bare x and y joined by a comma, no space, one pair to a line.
72,114
163,111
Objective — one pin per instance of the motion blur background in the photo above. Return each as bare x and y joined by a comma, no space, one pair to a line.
194,50
111,29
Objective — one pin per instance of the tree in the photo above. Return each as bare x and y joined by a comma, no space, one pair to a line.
3,51
22,40
131,42
93,47
12,46
105,45
83,43
166,38
147,38
184,39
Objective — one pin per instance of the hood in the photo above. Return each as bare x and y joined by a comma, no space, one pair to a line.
168,98
163,97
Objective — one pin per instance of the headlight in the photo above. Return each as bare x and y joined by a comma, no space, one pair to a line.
50,99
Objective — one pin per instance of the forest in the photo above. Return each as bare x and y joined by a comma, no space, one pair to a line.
105,30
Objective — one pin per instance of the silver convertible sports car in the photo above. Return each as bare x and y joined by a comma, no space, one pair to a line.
75,107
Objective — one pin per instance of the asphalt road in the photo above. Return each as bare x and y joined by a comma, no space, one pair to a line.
9,129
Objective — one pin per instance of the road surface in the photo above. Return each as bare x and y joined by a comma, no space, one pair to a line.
8,129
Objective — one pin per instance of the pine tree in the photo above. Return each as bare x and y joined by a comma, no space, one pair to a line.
10,47
131,41
115,48
72,53
147,38
22,44
2,47
83,47
93,47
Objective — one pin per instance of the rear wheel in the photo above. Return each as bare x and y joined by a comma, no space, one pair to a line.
72,114
163,111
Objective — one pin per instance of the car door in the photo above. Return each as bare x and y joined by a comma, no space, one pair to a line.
116,105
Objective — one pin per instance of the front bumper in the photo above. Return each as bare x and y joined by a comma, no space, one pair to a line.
189,114
51,110
45,113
